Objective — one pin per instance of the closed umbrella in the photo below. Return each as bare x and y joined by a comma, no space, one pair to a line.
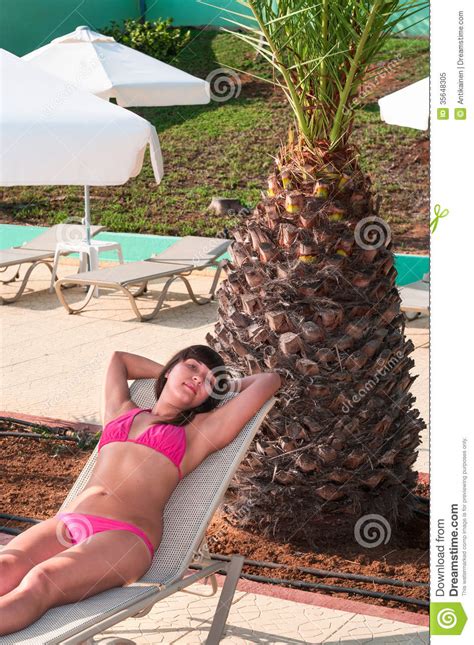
98,64
53,133
408,107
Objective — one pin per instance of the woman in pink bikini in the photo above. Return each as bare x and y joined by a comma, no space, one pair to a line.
107,536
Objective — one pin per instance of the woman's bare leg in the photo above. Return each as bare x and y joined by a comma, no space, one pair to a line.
26,550
103,561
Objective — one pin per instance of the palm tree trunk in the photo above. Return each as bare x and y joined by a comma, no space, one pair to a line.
310,293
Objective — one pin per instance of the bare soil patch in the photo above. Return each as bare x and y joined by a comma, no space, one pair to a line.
37,474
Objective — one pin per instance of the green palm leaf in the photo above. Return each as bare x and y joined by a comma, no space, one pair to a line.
321,52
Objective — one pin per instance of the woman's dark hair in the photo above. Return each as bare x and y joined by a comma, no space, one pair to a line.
211,359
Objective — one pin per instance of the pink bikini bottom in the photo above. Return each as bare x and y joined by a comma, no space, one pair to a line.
81,526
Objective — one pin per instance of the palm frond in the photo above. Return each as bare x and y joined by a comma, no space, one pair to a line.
321,51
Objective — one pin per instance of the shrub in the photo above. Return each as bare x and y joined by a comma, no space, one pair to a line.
156,38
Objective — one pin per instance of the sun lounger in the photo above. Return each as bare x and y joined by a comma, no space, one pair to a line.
188,254
39,250
416,297
186,518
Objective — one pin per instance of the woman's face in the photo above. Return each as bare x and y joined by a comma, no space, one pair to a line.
192,380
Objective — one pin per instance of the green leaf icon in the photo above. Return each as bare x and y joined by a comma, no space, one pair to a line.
447,618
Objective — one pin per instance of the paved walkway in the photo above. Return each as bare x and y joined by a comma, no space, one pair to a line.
53,366
268,614
263,619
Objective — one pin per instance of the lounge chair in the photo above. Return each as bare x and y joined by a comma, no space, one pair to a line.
39,250
188,254
186,517
416,297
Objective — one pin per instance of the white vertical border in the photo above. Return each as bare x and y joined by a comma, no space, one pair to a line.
452,264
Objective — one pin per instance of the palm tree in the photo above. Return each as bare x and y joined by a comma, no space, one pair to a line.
310,291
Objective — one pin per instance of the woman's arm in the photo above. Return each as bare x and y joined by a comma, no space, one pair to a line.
123,367
139,367
241,384
224,423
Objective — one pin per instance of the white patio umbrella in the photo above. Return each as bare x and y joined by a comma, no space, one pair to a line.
98,64
409,107
53,133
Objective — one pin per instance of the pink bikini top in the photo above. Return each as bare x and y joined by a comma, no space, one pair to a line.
168,439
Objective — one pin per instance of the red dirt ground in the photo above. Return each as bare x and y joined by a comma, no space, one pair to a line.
36,475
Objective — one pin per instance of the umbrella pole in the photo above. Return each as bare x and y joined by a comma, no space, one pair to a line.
87,214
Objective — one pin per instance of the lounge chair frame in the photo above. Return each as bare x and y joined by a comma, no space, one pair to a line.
143,286
415,298
154,268
39,250
143,607
26,277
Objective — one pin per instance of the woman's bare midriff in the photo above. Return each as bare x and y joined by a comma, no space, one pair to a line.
132,483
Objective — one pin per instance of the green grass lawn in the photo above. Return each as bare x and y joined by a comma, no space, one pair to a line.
225,149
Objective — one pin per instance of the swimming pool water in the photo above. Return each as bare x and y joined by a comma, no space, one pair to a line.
139,247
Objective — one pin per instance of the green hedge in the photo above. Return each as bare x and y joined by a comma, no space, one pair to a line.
155,38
